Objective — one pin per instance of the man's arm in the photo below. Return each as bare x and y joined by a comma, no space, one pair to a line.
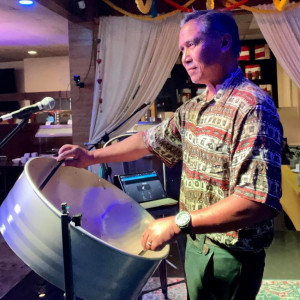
131,148
229,214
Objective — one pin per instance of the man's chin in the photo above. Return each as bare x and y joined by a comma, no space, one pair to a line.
196,80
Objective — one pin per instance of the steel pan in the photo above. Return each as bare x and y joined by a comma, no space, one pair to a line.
105,248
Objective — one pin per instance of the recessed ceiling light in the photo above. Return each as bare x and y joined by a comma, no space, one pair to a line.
25,2
32,52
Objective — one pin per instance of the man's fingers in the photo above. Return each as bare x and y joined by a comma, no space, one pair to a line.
70,162
144,240
65,148
69,152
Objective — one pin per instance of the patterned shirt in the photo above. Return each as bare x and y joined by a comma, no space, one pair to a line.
229,145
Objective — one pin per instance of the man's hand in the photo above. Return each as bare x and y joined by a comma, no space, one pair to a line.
159,233
75,156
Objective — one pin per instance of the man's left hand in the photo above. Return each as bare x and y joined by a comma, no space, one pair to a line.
159,233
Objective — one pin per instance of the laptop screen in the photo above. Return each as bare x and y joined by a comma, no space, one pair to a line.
142,187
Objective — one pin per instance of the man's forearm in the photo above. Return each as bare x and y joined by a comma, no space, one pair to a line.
231,213
132,148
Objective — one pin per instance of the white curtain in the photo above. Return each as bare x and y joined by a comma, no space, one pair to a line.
137,58
282,33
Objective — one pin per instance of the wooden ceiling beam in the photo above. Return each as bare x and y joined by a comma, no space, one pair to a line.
70,10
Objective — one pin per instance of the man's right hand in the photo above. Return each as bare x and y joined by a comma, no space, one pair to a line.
75,156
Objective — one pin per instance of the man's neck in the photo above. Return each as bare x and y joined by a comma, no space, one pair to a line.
226,72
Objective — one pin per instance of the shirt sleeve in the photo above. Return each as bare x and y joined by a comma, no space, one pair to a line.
256,157
164,140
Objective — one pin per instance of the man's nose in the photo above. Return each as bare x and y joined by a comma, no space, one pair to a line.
186,57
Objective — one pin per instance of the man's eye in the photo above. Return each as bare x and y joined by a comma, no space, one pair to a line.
194,43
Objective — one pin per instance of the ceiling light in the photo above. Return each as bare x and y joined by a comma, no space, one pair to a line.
81,4
26,2
32,52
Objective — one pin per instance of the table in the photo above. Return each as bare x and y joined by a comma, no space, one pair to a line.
290,199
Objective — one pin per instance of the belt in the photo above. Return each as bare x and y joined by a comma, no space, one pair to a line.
201,240
209,241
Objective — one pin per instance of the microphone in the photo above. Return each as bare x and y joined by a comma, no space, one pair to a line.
45,104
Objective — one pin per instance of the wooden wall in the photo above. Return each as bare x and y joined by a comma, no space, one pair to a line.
82,63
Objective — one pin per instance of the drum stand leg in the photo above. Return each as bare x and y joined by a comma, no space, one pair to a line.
163,277
67,251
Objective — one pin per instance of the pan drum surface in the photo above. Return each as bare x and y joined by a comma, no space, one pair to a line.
105,248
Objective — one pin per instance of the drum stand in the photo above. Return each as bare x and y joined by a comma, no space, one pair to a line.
67,251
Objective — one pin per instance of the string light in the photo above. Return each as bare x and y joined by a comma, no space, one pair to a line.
143,8
160,17
265,11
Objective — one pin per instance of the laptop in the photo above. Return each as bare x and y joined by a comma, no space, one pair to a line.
145,188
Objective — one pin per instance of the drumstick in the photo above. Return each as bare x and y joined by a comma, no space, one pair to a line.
142,252
50,175
56,168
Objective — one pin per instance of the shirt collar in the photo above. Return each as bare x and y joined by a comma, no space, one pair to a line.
229,82
223,87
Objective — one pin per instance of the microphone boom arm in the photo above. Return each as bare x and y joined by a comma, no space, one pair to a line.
14,131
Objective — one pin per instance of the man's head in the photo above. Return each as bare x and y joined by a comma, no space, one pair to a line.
215,22
210,46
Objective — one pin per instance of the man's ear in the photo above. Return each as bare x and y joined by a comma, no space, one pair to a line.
226,42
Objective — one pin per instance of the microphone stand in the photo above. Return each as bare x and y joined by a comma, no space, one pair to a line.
15,130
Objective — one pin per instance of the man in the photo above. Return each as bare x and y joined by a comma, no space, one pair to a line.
229,139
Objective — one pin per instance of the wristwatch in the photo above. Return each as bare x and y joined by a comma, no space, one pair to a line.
183,221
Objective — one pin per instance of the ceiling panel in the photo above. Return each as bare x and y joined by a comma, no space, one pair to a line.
39,28
31,28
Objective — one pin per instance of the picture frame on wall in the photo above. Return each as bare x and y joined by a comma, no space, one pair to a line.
253,72
267,88
262,52
245,53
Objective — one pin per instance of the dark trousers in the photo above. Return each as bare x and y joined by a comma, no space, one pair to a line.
214,273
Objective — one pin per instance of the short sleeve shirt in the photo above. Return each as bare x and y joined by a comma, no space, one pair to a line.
229,145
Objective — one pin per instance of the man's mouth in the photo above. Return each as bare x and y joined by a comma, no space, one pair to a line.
191,69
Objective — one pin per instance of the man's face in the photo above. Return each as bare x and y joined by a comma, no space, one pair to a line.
200,54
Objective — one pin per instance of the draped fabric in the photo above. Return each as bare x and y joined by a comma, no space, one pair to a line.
136,59
282,33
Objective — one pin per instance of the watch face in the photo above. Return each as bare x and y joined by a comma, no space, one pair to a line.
183,219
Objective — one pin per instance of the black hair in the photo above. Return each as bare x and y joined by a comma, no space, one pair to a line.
217,22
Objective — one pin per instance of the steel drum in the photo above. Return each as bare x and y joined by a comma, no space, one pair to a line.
105,248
